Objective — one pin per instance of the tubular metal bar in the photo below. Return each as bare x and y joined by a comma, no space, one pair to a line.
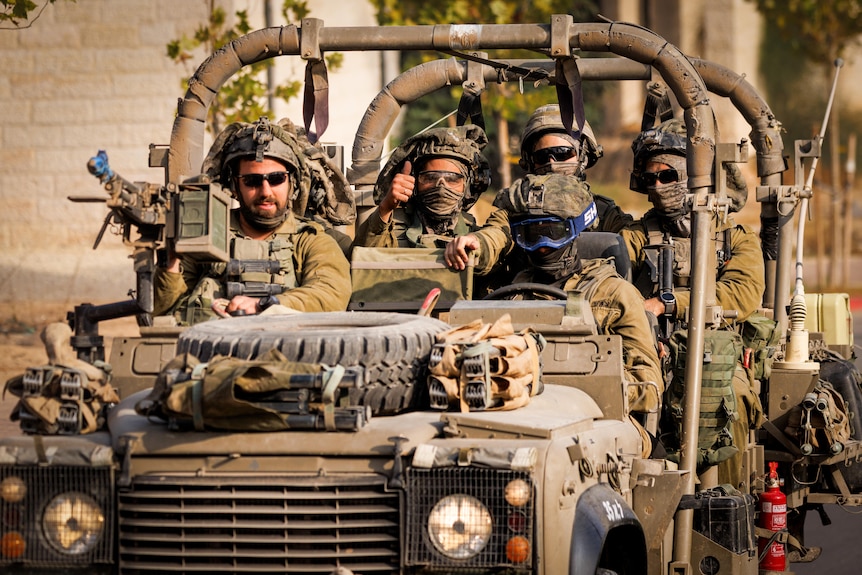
632,42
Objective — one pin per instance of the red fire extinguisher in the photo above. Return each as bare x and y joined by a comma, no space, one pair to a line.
773,516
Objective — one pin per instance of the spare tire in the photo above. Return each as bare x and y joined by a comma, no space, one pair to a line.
391,348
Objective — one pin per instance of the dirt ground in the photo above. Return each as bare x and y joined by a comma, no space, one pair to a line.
21,347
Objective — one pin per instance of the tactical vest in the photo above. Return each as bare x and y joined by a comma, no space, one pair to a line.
417,237
257,268
647,278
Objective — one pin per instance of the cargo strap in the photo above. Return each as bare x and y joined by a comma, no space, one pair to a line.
569,94
331,379
315,104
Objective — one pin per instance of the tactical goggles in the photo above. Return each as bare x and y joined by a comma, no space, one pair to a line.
551,231
667,176
431,177
257,180
556,153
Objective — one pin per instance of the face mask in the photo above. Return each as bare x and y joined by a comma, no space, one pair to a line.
564,168
558,264
439,202
669,199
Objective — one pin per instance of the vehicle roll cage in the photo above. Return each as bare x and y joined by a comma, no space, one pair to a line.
640,53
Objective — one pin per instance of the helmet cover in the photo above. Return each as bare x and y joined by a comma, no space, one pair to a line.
463,144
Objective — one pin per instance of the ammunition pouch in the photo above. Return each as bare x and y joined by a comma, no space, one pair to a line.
718,409
760,337
60,400
269,393
485,366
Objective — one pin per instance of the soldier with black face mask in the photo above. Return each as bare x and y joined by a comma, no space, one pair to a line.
274,252
425,190
546,214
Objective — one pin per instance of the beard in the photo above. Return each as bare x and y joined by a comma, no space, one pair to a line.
260,219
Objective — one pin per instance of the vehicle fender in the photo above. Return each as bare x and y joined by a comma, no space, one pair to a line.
606,533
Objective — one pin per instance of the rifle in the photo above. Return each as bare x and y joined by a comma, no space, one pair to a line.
665,291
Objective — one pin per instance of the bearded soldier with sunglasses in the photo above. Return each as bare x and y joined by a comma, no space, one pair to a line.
277,257
425,189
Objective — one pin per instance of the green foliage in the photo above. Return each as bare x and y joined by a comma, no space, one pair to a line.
810,34
822,29
16,12
245,96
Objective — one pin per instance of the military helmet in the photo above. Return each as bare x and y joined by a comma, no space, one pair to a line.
540,198
547,120
669,137
257,140
463,144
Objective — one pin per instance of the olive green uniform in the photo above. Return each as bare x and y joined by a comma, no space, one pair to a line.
322,273
740,279
616,305
404,230
739,286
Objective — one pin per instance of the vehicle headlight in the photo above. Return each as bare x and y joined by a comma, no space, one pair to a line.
73,523
459,526
13,489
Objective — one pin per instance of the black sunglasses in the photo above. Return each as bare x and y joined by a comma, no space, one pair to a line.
257,180
556,153
667,176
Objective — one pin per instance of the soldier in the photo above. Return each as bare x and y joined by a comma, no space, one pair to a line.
424,191
660,171
546,147
546,214
273,251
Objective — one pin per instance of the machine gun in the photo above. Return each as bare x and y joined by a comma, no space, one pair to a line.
191,217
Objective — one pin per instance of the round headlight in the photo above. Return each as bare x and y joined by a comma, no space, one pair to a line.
73,523
13,489
459,526
518,493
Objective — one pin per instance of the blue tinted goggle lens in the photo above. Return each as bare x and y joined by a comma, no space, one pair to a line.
538,233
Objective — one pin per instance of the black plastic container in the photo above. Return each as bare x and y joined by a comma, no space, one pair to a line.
727,520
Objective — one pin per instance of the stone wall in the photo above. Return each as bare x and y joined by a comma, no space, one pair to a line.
91,75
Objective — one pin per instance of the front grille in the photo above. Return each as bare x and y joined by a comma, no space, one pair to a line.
258,525
426,487
43,485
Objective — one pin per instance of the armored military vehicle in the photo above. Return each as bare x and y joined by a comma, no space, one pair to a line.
361,476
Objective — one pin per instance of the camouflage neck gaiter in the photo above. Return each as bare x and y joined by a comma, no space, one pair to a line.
439,208
564,168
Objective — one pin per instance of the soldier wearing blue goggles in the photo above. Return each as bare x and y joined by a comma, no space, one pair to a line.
551,232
